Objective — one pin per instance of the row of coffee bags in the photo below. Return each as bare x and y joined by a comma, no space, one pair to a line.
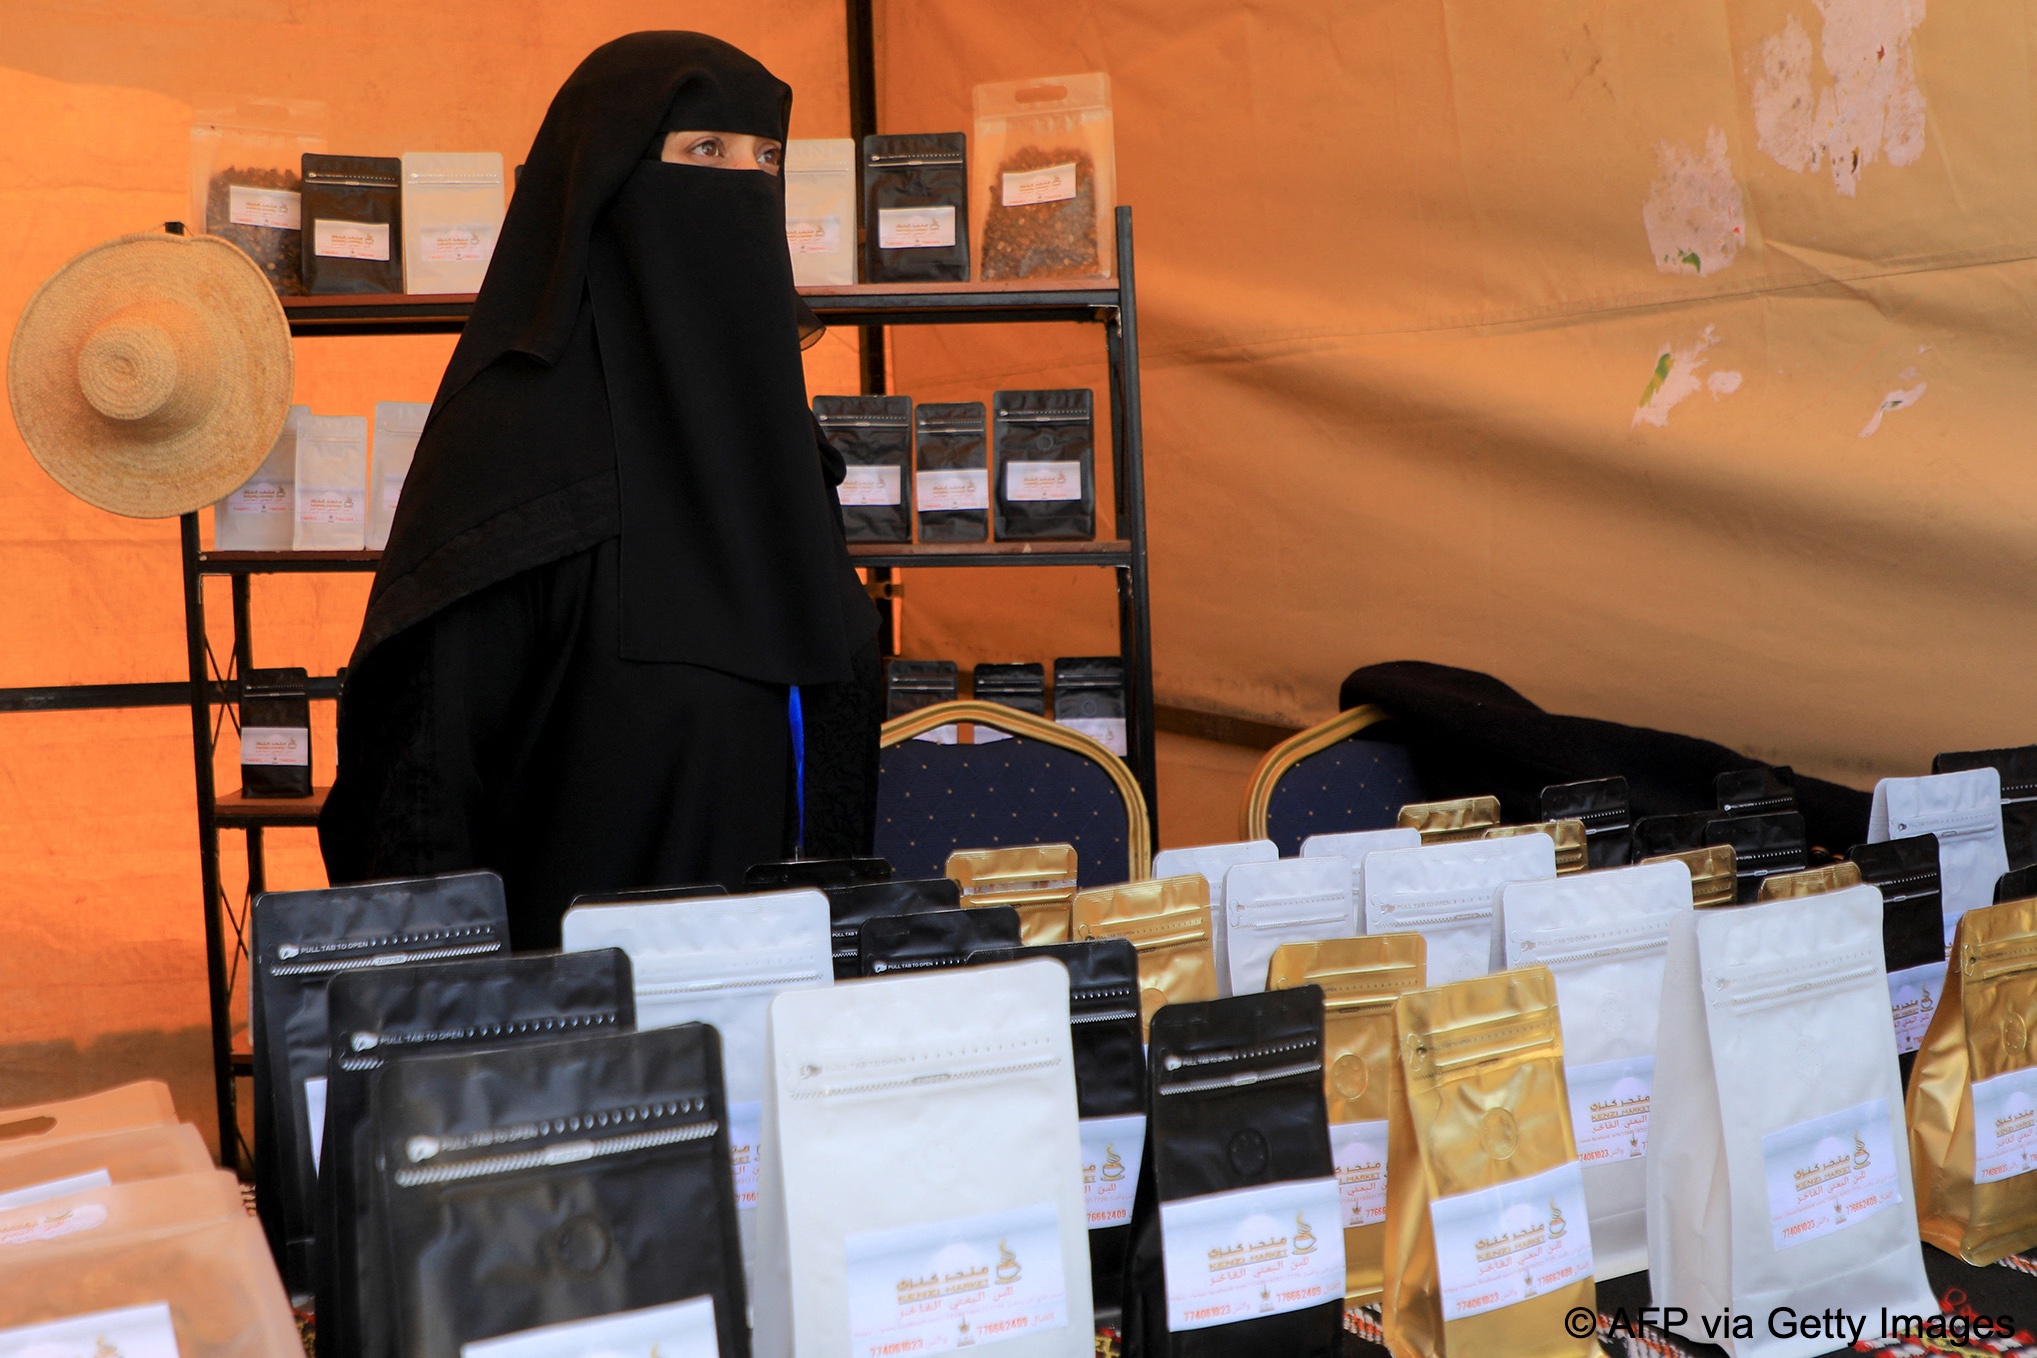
319,489
1088,694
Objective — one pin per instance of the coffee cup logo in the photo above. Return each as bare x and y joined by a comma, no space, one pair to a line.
1860,1155
1008,1268
1113,1168
1304,1241
1558,1227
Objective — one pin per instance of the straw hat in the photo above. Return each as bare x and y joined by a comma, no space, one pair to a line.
152,374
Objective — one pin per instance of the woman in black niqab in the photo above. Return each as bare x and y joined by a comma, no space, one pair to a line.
618,549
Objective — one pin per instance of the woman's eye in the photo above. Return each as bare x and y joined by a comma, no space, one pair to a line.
706,146
769,155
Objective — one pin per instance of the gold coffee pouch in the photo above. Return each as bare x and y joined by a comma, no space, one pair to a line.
1713,880
1571,854
1440,822
1037,880
1167,920
1973,1145
1810,882
1361,978
1487,1241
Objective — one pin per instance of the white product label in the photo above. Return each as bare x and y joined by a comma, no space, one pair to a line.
392,491
1032,482
338,507
130,1332
1829,1172
349,240
813,235
1111,1148
281,209
956,1284
286,745
454,244
52,1222
1108,732
314,1116
1913,995
1022,188
746,1143
872,486
915,228
1359,1150
1501,1245
1252,1252
2005,1125
1609,1108
682,1329
258,498
56,1188
965,489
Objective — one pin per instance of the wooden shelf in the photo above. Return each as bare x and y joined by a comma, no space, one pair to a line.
285,563
903,554
236,808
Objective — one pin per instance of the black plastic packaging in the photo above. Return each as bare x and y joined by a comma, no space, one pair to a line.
849,906
874,436
275,733
794,874
1235,1100
1655,836
951,490
299,941
557,1181
1602,805
1756,792
2018,768
916,208
910,685
889,944
1912,915
1020,686
352,211
1046,464
1089,696
2017,884
639,894
1761,845
391,1013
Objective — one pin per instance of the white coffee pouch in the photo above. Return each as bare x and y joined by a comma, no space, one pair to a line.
397,426
720,961
1290,900
332,484
258,516
1448,893
1964,811
1353,846
1212,861
1604,935
452,214
1778,1167
922,1180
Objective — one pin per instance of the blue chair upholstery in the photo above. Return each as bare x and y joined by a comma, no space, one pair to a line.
1356,784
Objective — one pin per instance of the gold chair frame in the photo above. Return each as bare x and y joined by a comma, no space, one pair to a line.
1288,753
1138,826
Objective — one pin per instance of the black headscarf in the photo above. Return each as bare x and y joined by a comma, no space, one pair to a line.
632,367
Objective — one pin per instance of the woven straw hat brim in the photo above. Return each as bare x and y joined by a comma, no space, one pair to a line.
226,312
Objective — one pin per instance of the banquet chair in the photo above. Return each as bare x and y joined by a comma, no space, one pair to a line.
1328,779
1047,784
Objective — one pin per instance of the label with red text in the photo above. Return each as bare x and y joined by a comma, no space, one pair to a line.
961,1283
1501,1245
1252,1252
1826,1173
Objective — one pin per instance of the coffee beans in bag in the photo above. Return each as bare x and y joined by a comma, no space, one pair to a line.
849,906
916,208
2018,770
1046,465
275,734
1905,871
889,944
1213,863
874,436
1603,805
582,1182
951,490
1290,900
1964,810
1168,920
1037,880
1447,892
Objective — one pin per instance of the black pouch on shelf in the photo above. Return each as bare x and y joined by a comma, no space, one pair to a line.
916,208
275,733
300,940
1046,464
794,874
910,685
951,488
391,1013
1089,696
1761,845
874,436
2018,768
352,212
1756,792
1237,1128
555,1182
1110,1093
2017,884
638,894
889,944
1021,686
1602,806
849,906
1655,836
1912,932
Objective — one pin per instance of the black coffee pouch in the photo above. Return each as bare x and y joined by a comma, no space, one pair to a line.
1089,696
1601,804
275,734
352,212
1681,832
1046,465
1022,686
887,945
850,906
1234,1102
794,874
556,1181
639,894
1756,792
951,489
910,685
1912,932
874,436
390,1014
2018,768
1761,845
916,208
299,941
2017,884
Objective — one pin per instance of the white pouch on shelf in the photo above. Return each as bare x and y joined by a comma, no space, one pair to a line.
397,426
1448,893
258,516
1779,1169
1289,900
719,961
106,1210
923,1127
820,210
1603,935
452,213
1353,846
1211,862
1964,810
332,484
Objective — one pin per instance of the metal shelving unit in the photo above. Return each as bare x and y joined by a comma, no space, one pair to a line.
1109,303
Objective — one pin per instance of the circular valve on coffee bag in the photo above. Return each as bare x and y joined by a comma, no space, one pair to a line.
1349,1077
1499,1134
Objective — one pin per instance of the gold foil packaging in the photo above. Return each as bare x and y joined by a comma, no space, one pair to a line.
1037,880
1567,835
1810,882
1168,921
1712,878
1441,822
1360,978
